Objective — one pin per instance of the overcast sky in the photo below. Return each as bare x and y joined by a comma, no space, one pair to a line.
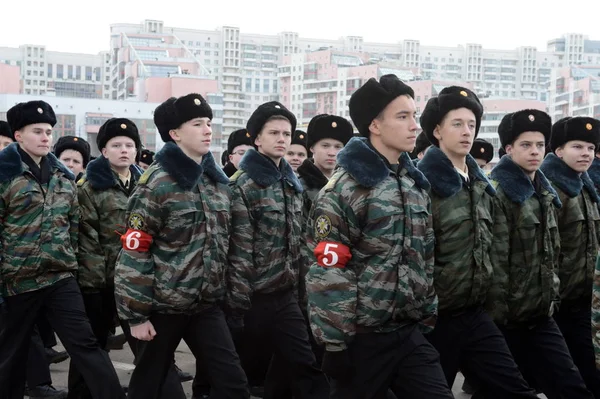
83,26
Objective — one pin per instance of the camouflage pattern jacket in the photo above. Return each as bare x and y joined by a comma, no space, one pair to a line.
372,239
38,225
525,247
594,173
103,203
183,207
578,225
596,312
265,253
312,180
463,215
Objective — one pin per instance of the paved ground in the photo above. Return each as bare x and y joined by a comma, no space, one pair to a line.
123,362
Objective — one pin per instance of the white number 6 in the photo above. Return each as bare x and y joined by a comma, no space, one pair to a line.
131,241
334,256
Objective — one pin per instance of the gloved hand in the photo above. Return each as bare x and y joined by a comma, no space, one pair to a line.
337,364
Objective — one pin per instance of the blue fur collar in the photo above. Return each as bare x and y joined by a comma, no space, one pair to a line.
443,177
264,172
594,172
517,186
368,168
101,176
11,164
569,181
185,170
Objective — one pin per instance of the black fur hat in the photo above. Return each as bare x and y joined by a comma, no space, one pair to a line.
73,143
29,113
176,111
300,138
224,157
482,149
449,99
146,156
527,120
263,113
6,131
370,100
326,126
239,137
577,128
115,127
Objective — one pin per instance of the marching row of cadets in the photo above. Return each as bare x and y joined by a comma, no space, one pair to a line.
355,273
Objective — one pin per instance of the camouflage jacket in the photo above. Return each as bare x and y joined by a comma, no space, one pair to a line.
265,254
594,173
312,180
463,215
525,247
578,225
38,225
184,207
596,312
384,220
103,203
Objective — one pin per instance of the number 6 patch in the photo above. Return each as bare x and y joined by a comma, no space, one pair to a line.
135,240
332,254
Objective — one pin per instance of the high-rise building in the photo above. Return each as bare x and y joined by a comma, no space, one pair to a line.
575,91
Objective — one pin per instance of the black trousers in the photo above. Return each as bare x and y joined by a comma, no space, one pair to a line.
208,337
541,351
575,323
63,305
403,361
472,342
275,325
101,311
38,370
46,332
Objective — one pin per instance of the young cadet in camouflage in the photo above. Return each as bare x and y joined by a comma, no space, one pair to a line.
39,219
370,287
525,288
170,275
298,151
237,144
465,336
574,142
483,152
594,171
265,257
74,153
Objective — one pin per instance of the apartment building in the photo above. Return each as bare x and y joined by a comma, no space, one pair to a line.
575,91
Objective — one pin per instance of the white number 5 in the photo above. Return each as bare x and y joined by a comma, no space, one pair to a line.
334,256
131,241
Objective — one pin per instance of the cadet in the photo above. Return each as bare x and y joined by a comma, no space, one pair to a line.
40,217
594,170
237,144
465,336
483,152
74,152
298,151
265,254
525,290
169,276
574,142
370,289
6,136
146,159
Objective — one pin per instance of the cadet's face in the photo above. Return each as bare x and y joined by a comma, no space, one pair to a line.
120,152
325,152
296,155
456,132
577,154
144,166
397,125
72,160
528,151
238,153
274,139
194,137
481,162
4,142
36,139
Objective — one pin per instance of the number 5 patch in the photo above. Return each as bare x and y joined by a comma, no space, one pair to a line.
332,254
135,240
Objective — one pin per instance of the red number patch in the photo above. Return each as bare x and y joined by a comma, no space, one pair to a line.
136,240
332,254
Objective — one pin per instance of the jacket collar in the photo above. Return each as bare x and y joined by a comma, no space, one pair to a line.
11,164
565,178
312,175
101,176
264,172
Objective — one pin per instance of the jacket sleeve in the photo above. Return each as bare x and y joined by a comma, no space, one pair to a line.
496,303
305,252
134,271
596,312
74,219
91,255
555,253
332,291
240,273
431,303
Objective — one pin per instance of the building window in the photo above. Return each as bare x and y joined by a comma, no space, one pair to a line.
70,72
78,72
248,84
88,73
257,85
59,71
